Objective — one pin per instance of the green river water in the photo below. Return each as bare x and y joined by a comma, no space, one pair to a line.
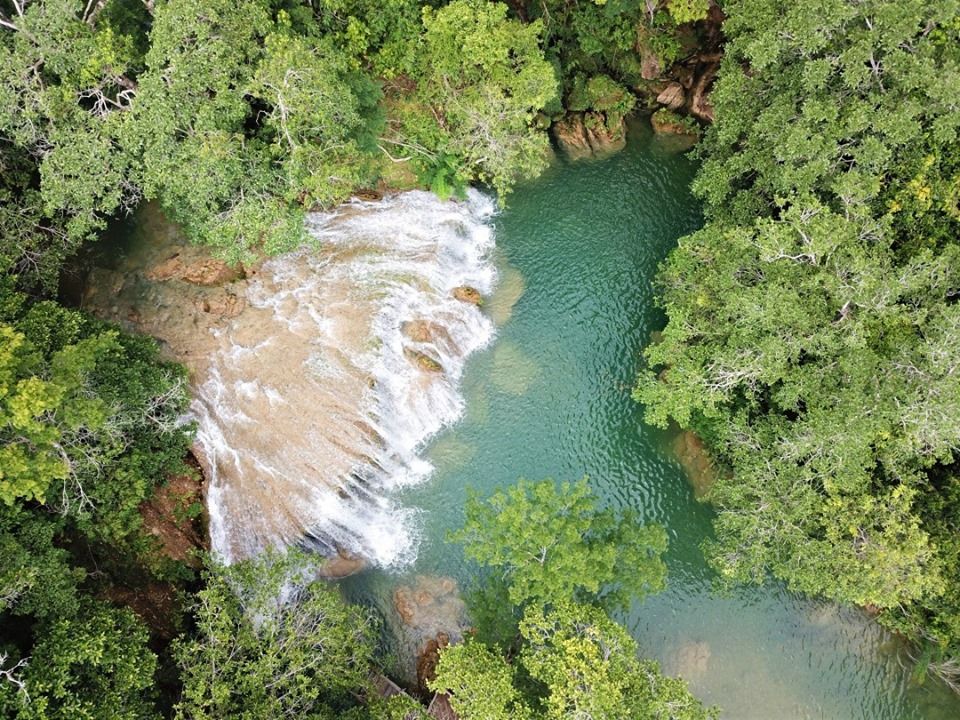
550,397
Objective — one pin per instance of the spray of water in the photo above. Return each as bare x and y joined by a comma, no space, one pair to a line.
317,399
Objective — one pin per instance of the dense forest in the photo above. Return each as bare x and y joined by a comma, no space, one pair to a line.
812,336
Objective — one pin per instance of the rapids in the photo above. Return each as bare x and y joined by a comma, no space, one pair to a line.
314,395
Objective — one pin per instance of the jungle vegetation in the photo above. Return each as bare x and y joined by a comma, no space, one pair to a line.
813,333
812,337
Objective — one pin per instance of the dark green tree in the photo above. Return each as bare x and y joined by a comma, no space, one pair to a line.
812,335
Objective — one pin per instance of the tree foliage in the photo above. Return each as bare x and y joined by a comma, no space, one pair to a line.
484,79
92,666
561,559
813,324
552,541
272,642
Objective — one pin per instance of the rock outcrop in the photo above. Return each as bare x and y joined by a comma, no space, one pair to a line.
428,615
205,271
582,135
342,565
673,96
468,294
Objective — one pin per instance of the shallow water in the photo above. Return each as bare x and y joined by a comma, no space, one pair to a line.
550,397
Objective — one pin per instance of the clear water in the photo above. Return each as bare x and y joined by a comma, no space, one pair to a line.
550,397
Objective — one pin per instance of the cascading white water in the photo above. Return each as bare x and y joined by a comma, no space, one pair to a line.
317,398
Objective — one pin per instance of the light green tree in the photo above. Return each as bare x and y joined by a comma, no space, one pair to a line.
551,540
271,641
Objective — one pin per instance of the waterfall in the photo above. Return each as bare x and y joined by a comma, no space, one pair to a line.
317,399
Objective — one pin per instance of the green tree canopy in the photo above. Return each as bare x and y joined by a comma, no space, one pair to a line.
272,642
812,335
484,79
552,541
560,558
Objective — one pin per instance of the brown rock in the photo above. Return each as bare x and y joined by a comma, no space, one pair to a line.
424,331
423,361
582,135
342,565
205,271
223,304
211,272
673,96
467,294
428,659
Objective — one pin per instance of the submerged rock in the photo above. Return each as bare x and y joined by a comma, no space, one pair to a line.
690,661
693,456
342,565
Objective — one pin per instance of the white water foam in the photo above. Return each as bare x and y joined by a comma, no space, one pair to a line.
322,393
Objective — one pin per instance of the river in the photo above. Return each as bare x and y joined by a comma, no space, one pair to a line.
550,397
342,392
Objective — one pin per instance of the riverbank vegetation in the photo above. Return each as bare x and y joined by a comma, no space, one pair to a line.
812,336
558,565
812,340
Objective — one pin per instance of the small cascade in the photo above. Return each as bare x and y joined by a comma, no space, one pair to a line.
313,403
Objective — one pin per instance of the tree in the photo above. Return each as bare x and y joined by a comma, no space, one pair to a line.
552,541
812,333
272,642
95,666
560,558
244,119
66,89
89,418
484,79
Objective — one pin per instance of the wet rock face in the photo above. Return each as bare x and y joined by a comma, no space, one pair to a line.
315,375
582,135
429,614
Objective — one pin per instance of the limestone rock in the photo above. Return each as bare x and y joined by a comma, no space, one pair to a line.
222,304
467,294
342,565
423,361
202,271
673,96
582,135
424,331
